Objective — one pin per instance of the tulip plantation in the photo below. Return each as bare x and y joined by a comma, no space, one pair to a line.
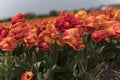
70,46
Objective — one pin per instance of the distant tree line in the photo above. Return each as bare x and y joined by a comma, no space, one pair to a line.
33,15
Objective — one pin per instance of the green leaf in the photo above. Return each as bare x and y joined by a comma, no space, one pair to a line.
39,76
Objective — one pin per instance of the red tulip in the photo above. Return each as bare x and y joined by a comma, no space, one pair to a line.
99,36
3,32
27,76
18,18
65,20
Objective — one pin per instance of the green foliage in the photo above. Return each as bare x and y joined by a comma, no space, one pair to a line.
6,64
61,63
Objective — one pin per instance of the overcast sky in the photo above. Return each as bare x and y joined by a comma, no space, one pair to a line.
12,7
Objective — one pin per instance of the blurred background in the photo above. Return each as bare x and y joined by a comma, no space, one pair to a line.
45,8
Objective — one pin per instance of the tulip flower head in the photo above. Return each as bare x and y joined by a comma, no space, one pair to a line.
27,76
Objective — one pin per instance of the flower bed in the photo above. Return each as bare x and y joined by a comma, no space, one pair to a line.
71,46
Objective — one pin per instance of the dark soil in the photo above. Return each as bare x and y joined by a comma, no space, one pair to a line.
111,71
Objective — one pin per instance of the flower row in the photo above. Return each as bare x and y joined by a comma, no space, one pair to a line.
67,28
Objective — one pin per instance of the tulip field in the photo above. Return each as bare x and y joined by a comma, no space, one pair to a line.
70,46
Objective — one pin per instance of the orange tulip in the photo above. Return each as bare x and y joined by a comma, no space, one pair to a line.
53,32
112,28
82,14
30,37
90,24
8,44
73,38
